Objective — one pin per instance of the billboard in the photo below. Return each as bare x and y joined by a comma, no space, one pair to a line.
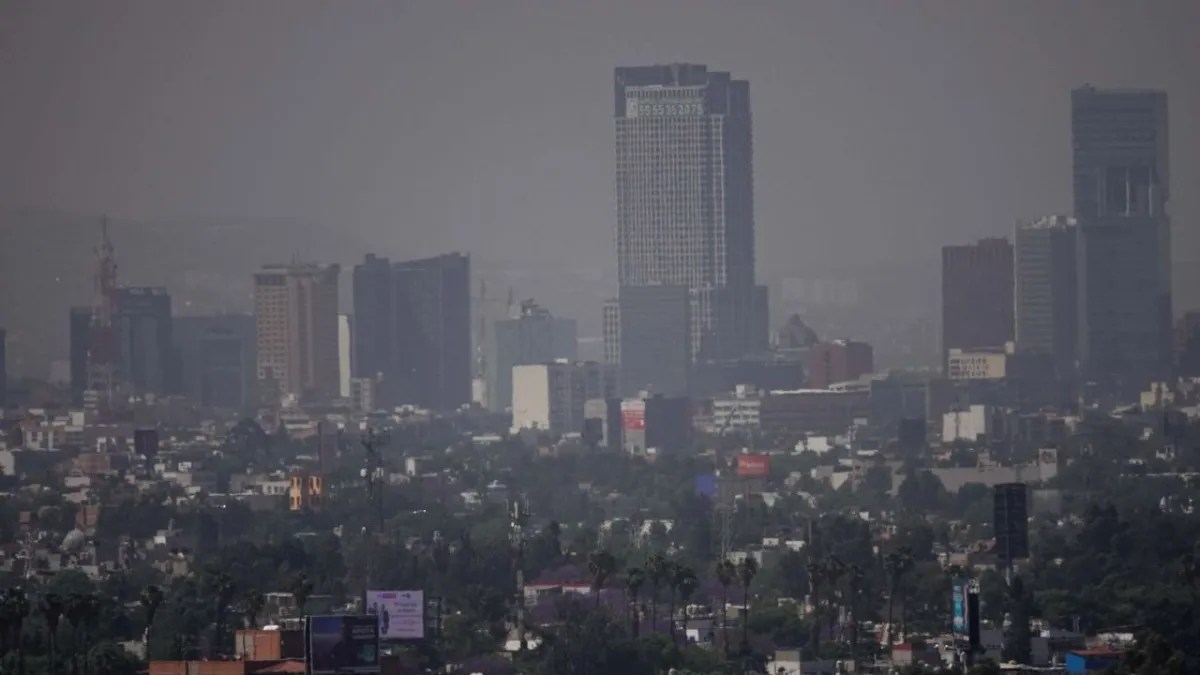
401,614
753,466
965,605
633,415
343,645
1011,522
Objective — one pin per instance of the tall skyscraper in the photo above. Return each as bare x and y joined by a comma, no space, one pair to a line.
612,332
146,359
977,295
217,359
655,349
685,198
412,329
534,337
1046,290
1121,181
295,312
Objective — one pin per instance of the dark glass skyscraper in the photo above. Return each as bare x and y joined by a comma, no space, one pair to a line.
218,365
1046,290
413,329
685,198
1121,182
144,338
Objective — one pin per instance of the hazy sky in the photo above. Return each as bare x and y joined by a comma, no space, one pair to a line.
882,129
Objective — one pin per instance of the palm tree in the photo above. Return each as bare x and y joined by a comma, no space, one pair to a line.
686,584
51,607
855,575
151,599
601,564
726,572
225,590
656,571
635,577
673,587
747,570
252,606
835,569
81,610
301,589
896,564
14,606
816,577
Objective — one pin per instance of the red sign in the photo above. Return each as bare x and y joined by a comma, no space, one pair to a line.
633,420
753,466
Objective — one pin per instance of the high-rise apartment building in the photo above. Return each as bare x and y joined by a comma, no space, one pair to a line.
612,332
977,295
146,359
217,361
534,337
1046,295
685,198
295,312
1121,184
412,329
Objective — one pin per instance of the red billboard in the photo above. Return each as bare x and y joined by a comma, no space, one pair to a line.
753,466
633,415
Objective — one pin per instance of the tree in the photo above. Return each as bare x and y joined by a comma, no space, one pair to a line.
656,571
686,584
301,589
14,609
1153,654
855,575
151,599
601,565
223,589
51,607
252,606
895,564
81,610
108,658
835,570
726,573
635,577
747,570
1017,638
816,577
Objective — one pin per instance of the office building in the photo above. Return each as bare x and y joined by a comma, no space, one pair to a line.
1045,293
146,360
535,336
413,330
296,315
552,396
1122,184
977,295
656,425
217,360
838,361
655,345
685,202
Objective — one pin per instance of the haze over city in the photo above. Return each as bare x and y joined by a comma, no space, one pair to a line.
637,337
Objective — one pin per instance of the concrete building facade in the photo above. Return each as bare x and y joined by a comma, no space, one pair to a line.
1046,291
535,336
655,340
838,361
296,315
977,295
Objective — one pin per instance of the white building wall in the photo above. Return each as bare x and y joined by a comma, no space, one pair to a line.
531,397
967,425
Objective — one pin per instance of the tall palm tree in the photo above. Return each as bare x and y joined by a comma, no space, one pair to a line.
896,564
855,575
301,589
656,571
686,584
225,589
252,606
635,577
747,570
81,610
835,570
151,599
51,607
601,564
672,588
816,578
726,573
14,605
